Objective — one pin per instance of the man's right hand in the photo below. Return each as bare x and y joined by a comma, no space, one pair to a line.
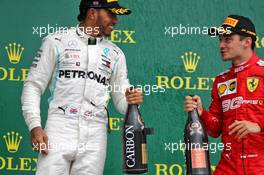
192,103
39,140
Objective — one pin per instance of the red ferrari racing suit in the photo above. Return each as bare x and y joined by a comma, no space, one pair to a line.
238,94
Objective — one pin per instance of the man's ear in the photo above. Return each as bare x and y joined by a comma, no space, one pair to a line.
92,14
248,41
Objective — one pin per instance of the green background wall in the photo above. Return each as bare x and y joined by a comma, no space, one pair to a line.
152,55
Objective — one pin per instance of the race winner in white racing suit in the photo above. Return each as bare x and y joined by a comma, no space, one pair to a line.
78,69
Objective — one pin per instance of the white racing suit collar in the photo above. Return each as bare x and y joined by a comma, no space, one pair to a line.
85,37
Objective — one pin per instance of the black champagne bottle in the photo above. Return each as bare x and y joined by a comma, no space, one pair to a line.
196,146
134,133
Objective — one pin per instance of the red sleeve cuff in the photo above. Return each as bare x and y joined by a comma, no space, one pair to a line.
261,125
204,115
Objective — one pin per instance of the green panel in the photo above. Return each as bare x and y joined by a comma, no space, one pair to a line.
151,54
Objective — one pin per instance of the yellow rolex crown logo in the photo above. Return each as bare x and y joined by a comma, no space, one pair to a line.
190,61
14,52
12,141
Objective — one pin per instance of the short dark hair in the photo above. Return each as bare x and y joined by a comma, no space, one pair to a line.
83,8
253,41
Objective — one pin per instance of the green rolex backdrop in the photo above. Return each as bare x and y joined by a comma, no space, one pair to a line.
168,53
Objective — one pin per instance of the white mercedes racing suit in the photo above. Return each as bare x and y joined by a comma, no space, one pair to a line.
78,75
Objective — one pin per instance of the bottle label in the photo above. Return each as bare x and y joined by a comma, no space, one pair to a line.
130,146
144,154
195,127
198,158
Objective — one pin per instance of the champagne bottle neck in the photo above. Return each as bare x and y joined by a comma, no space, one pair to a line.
133,114
194,115
133,106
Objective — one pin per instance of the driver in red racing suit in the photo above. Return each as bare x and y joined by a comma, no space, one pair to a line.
237,110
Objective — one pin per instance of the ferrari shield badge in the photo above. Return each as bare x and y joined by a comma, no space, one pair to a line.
252,83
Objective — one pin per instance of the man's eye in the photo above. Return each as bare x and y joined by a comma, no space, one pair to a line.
228,39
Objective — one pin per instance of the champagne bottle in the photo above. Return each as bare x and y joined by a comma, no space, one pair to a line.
134,142
196,146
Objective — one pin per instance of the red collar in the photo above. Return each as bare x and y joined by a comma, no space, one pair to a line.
254,58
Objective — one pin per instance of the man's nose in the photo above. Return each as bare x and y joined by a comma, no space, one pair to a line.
114,20
221,44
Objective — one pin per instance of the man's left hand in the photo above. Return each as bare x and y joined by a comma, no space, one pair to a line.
134,96
242,128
